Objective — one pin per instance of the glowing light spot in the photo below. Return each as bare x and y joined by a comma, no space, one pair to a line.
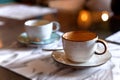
84,16
105,16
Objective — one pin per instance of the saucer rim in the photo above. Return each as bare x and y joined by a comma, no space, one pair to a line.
35,43
78,64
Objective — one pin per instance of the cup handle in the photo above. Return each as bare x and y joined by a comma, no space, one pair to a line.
57,26
104,44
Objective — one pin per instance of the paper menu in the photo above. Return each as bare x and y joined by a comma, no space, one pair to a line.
114,37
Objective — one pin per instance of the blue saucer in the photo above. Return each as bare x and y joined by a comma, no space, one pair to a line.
23,38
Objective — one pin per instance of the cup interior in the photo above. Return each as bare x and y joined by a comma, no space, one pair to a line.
79,36
36,23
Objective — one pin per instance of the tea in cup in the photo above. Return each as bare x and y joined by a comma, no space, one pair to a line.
40,30
79,46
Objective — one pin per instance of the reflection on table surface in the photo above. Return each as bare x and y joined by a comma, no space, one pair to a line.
37,64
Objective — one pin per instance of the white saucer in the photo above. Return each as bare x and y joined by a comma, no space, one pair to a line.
23,38
95,60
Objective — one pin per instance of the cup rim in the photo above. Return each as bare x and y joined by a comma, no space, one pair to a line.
28,22
96,36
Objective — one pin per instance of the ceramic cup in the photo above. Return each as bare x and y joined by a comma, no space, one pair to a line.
39,30
79,46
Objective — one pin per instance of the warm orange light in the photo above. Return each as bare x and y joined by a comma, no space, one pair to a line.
84,16
1,45
84,19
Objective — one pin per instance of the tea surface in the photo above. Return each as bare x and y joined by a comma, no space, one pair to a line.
79,36
39,23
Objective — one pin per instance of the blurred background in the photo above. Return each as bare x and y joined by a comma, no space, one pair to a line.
100,16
